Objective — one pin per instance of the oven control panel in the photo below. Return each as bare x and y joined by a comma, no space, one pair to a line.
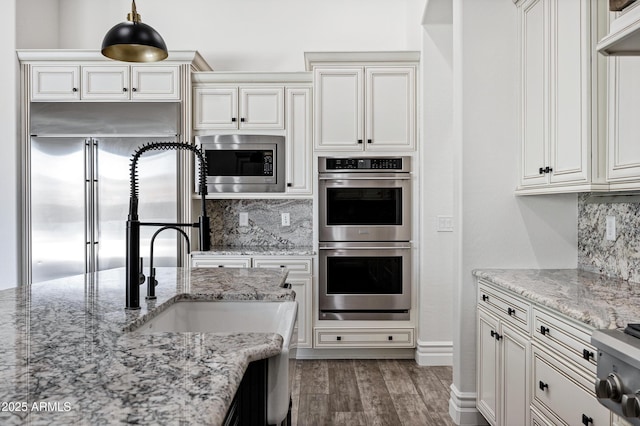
392,164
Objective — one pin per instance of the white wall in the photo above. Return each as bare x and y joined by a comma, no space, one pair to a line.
252,35
9,160
37,24
497,229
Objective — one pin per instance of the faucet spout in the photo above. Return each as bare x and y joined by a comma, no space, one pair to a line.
152,282
134,276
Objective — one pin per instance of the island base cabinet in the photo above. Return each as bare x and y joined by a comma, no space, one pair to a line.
563,395
249,405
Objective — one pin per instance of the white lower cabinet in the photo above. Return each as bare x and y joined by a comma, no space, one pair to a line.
300,277
535,366
503,361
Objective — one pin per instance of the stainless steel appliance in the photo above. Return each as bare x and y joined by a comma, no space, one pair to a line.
364,199
244,163
618,373
365,233
78,178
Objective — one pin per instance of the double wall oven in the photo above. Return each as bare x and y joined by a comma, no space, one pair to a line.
365,233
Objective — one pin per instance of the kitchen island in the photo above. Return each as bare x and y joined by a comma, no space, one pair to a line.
68,356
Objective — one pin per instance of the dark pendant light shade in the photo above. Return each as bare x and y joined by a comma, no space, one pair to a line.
133,41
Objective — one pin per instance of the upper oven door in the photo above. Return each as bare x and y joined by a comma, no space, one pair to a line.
365,207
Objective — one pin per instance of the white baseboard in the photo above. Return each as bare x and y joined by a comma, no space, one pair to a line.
351,353
434,353
462,408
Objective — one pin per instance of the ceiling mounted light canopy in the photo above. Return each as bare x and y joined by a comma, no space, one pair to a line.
133,41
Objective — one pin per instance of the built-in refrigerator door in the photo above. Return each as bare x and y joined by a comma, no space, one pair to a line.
58,201
157,174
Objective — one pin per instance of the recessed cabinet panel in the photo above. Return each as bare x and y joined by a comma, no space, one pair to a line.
390,108
515,353
155,83
215,108
50,83
338,108
488,367
299,145
534,89
101,83
262,108
624,125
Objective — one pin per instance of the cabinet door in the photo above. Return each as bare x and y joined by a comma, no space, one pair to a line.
488,367
55,83
535,92
570,88
105,83
215,108
303,289
262,108
623,150
299,144
155,83
338,108
390,108
515,377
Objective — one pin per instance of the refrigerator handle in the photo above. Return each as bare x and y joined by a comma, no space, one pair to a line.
88,209
96,207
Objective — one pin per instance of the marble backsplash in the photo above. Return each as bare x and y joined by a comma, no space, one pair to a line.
265,226
619,258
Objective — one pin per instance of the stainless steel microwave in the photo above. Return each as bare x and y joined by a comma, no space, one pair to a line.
244,163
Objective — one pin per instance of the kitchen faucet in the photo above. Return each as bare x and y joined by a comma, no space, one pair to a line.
134,275
151,281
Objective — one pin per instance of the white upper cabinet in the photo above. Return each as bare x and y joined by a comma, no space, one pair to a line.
562,102
105,83
299,143
364,100
238,107
623,150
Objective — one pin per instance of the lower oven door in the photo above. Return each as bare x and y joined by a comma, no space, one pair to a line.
365,280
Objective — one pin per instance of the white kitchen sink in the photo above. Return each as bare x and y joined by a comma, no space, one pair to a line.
238,317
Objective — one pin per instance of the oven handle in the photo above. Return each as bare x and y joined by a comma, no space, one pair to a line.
360,177
364,248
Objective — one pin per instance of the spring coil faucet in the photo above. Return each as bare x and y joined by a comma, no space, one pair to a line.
134,275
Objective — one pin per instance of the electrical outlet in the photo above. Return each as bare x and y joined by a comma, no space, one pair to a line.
611,228
286,219
244,219
445,224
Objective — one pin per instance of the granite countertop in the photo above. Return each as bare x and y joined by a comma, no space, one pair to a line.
591,298
66,356
257,251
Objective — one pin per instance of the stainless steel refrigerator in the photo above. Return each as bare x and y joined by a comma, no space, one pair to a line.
79,185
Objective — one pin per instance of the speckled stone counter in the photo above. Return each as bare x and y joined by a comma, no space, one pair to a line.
591,298
257,251
66,356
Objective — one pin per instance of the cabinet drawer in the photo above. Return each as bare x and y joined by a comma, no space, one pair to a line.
514,311
295,266
559,391
217,262
565,338
364,338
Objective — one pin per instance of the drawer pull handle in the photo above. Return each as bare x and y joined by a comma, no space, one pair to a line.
220,266
586,420
587,354
511,311
485,297
338,338
542,385
282,266
495,335
544,330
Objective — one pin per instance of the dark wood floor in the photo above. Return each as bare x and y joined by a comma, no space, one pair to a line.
370,392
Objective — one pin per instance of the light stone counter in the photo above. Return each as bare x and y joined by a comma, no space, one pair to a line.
66,356
591,298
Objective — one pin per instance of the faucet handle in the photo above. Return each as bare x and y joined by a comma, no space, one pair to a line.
151,285
141,277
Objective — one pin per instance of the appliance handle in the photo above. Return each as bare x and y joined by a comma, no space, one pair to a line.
364,248
362,177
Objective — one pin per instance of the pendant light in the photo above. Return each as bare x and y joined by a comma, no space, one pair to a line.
133,41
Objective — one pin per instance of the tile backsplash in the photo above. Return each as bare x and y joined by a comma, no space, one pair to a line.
620,257
264,227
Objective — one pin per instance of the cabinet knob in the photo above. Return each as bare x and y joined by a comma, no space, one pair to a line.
541,170
544,330
234,119
220,266
124,89
134,90
542,385
289,184
359,140
242,119
511,311
75,89
485,297
338,337
390,337
369,141
586,420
